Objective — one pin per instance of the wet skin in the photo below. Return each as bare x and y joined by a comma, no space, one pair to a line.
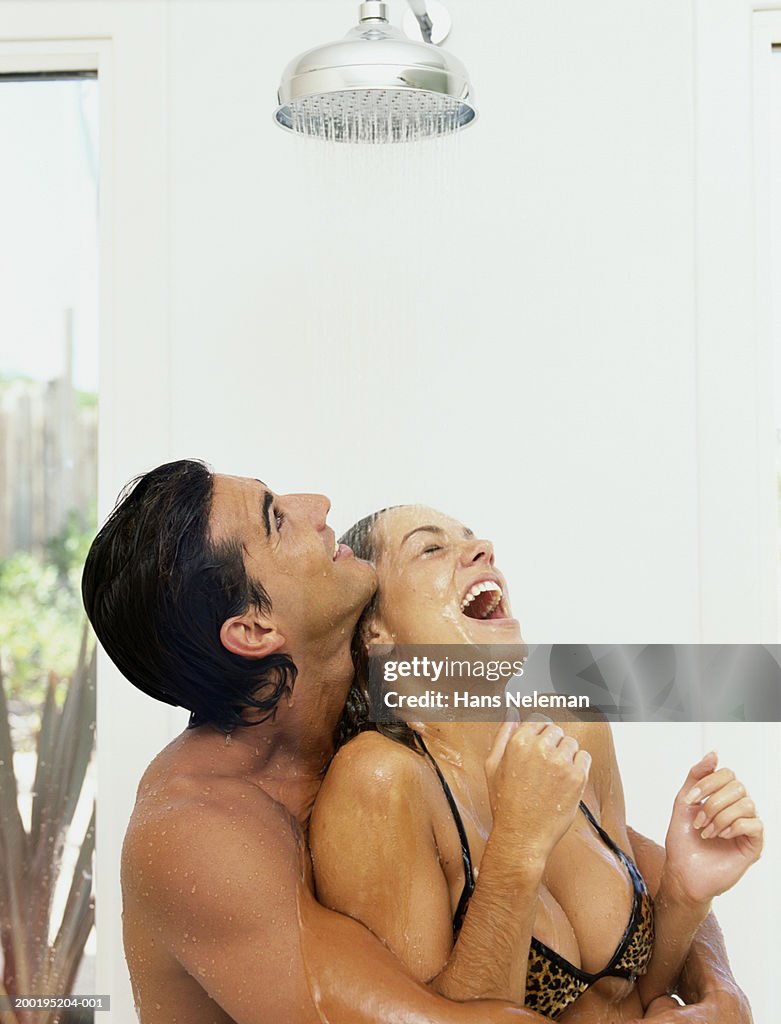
220,922
402,873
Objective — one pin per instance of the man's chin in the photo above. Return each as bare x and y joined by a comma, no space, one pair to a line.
368,574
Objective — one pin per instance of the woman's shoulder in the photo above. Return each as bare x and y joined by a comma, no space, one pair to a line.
373,761
374,778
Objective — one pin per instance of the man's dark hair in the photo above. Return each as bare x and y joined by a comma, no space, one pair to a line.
157,590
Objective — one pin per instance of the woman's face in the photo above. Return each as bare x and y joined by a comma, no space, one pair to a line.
438,583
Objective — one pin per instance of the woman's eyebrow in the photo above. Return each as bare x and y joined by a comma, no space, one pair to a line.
419,529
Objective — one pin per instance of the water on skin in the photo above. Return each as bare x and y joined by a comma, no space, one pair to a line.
435,599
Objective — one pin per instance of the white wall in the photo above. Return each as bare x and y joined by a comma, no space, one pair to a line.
547,327
503,328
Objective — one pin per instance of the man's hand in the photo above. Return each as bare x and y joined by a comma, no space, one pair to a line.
721,1006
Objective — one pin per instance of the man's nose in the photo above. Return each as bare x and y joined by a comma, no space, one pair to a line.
475,551
315,506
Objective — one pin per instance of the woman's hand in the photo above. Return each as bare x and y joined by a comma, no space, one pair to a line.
714,834
536,777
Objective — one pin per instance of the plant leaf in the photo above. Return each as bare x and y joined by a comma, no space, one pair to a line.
71,737
75,735
13,853
9,1017
69,944
48,845
43,768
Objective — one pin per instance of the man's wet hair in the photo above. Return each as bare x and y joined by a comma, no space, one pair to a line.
157,590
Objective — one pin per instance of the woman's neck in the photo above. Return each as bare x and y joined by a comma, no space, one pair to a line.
460,751
463,745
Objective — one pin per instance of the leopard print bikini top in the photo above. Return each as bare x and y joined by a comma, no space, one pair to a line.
553,983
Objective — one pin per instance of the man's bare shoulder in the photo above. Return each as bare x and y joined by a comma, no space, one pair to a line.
186,822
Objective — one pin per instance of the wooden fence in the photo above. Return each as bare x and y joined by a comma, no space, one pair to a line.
48,461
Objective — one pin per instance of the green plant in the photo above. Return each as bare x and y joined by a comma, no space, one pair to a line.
41,612
31,860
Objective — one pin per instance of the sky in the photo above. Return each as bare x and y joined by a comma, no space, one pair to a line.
48,228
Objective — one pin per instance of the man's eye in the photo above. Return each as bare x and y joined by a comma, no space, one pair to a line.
279,518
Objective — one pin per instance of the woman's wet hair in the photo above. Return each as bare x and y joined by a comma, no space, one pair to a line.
157,590
356,717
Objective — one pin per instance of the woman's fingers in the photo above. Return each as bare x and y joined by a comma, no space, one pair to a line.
569,747
553,735
751,827
503,736
708,785
729,794
740,808
704,767
583,761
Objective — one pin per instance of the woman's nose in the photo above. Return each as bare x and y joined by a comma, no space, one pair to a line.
478,551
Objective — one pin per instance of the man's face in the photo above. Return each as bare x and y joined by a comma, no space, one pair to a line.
317,589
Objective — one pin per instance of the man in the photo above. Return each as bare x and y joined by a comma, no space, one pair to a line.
213,593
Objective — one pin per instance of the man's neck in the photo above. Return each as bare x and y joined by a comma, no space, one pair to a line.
288,755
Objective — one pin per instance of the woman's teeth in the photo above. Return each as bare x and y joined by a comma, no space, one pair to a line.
336,549
485,606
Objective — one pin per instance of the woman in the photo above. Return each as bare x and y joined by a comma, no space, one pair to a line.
489,857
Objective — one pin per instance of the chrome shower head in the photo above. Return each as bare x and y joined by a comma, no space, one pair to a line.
375,86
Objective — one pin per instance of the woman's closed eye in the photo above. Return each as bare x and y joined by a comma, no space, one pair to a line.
431,548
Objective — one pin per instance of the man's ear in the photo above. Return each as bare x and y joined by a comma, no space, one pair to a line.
250,635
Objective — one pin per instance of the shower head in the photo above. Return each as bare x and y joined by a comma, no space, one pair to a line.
375,86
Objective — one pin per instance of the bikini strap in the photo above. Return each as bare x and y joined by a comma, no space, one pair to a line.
466,856
634,874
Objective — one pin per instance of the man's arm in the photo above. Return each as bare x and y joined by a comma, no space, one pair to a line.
707,982
225,893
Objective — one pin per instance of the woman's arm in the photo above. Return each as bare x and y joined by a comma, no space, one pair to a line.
713,838
707,984
697,865
376,859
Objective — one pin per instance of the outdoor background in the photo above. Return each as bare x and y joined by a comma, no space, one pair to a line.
48,492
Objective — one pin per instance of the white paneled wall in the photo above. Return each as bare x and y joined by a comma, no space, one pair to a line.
503,328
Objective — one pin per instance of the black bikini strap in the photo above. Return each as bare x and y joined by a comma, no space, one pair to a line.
634,874
640,891
466,856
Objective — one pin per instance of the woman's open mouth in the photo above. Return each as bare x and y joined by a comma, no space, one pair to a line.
484,601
